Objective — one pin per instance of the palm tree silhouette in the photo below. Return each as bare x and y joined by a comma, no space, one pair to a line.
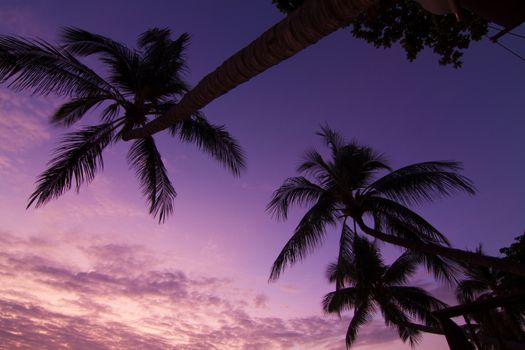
482,283
366,285
300,29
479,282
142,83
347,188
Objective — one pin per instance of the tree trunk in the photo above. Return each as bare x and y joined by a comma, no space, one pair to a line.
311,22
425,329
457,255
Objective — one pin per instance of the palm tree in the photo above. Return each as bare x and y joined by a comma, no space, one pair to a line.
347,188
305,26
481,283
367,285
142,83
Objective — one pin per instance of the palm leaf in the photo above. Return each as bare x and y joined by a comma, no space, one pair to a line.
124,62
156,186
361,316
356,165
162,64
72,111
333,139
43,68
308,235
78,158
422,182
442,268
341,270
418,302
395,317
401,269
469,290
398,220
367,261
340,300
212,139
345,268
294,190
153,36
110,112
314,165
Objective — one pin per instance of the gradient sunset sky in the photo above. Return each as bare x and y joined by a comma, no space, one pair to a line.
94,271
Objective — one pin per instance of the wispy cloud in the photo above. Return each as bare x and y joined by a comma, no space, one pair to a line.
22,121
116,296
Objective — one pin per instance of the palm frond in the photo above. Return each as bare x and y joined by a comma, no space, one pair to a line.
153,36
356,165
367,261
77,160
84,43
478,281
314,165
361,316
110,112
308,235
423,182
212,139
400,220
442,268
469,290
345,267
341,270
295,190
42,68
401,269
72,111
162,64
418,302
124,62
333,139
155,184
340,300
395,317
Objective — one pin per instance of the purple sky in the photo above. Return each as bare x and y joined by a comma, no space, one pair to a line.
94,270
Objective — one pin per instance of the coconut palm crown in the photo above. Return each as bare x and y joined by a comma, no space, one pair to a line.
479,282
141,84
348,190
368,285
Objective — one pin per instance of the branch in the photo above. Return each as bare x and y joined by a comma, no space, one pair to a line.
450,253
423,328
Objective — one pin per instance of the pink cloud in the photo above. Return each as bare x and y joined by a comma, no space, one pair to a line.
123,301
23,121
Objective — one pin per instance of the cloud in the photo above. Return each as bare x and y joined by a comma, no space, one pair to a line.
120,298
26,326
22,121
260,301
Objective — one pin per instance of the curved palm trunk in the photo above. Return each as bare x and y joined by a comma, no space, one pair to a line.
425,329
302,28
457,255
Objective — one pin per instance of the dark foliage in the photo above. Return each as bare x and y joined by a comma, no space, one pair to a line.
367,285
356,183
406,23
142,84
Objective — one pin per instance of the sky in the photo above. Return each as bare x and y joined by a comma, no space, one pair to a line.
93,271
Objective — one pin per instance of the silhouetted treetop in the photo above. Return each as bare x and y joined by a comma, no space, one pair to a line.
407,23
